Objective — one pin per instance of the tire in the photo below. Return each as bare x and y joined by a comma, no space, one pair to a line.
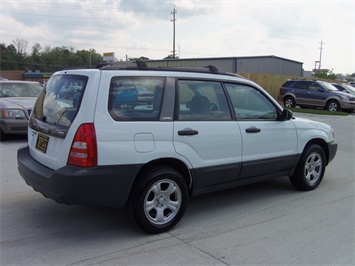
3,136
289,102
333,106
310,169
159,200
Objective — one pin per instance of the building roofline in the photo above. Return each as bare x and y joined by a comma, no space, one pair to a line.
223,58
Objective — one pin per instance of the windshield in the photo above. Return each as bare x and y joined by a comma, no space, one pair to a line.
349,88
59,101
20,89
328,86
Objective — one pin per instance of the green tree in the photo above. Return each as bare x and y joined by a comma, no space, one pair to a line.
36,49
142,58
171,57
10,58
89,57
325,74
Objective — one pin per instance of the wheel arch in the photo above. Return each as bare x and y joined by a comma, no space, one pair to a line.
291,96
322,144
333,98
173,163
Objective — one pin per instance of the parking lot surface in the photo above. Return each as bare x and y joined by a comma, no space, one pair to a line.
268,223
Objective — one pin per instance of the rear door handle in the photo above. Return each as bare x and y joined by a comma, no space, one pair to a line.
253,130
187,132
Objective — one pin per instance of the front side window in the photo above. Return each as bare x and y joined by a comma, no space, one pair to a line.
59,101
249,103
135,98
315,87
201,101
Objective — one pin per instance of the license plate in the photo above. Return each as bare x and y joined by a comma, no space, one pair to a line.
42,142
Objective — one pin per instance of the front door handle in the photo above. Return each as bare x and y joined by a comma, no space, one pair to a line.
253,130
187,132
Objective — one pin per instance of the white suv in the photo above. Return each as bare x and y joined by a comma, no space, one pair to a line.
202,131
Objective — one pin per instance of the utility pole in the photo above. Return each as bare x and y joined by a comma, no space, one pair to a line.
320,55
318,64
173,20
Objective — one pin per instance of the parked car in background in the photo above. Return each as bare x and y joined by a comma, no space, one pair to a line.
345,88
315,93
124,94
352,83
16,102
145,95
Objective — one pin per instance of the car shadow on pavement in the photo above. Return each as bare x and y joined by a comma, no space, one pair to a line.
46,218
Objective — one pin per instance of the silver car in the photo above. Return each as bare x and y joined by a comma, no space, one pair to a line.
16,102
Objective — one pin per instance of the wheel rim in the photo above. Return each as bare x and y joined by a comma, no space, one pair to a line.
162,202
333,107
289,103
313,168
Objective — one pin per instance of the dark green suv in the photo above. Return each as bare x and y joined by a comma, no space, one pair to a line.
313,93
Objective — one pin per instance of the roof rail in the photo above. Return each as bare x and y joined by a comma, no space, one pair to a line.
115,65
213,69
141,65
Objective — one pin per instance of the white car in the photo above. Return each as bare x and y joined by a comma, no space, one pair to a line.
17,98
204,131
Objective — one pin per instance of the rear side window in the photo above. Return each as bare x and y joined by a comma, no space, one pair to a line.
59,101
303,85
135,98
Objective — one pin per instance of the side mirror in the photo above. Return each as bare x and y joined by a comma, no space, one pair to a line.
286,115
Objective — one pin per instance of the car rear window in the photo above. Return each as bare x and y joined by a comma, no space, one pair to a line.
287,83
60,100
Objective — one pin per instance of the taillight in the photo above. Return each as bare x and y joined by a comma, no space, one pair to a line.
83,151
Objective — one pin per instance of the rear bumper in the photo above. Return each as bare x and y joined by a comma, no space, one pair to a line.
108,186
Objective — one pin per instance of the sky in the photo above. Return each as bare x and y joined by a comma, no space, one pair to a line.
291,29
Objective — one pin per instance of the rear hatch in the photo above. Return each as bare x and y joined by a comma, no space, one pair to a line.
67,101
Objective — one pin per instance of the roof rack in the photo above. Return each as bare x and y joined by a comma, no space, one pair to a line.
141,65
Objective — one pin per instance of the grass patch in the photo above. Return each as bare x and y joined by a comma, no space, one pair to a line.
316,111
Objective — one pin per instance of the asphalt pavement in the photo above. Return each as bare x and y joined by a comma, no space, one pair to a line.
268,223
